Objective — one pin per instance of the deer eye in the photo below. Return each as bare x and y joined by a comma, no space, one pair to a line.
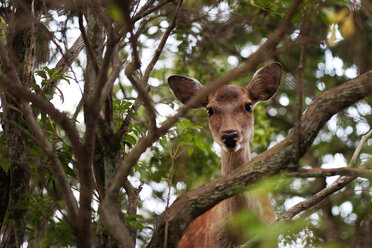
210,112
248,107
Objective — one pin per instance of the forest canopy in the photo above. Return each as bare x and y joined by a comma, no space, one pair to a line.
96,151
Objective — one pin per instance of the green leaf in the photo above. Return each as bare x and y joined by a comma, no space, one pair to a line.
60,94
130,139
199,144
41,74
5,165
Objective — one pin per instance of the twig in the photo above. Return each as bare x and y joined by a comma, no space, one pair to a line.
138,102
142,92
128,119
162,43
146,10
135,65
320,172
359,147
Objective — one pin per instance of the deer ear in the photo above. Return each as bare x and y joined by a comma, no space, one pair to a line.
184,88
265,82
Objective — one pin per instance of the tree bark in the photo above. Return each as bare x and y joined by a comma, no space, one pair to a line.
12,229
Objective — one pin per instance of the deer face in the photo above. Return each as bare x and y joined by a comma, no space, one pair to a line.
230,107
230,113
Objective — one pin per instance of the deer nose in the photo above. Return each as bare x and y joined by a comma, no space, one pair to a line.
229,138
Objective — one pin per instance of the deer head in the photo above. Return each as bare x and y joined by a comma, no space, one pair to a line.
230,107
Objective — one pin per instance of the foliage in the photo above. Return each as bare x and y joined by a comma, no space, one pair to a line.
209,39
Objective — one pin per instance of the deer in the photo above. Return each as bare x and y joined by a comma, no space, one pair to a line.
230,114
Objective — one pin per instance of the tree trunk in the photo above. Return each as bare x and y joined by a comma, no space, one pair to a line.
12,229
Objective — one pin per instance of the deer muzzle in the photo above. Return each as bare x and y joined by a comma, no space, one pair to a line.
229,138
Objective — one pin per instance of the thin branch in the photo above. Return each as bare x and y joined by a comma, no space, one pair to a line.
104,86
138,102
70,55
146,10
135,65
128,119
116,67
58,169
62,65
162,43
337,185
320,172
359,148
46,107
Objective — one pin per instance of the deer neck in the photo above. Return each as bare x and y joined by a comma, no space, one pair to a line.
229,162
233,160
